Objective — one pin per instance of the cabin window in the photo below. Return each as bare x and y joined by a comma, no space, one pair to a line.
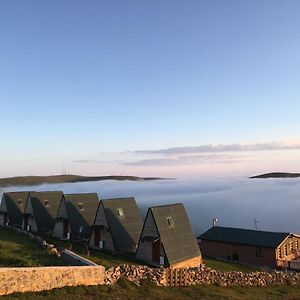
297,244
80,205
170,221
120,212
46,202
285,250
258,252
20,203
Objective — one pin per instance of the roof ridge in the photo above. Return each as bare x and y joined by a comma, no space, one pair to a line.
166,205
248,229
120,198
94,193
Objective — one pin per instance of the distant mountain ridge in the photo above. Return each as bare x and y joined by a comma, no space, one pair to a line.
37,180
277,175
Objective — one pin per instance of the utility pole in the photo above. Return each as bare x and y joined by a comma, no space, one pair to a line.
215,220
255,223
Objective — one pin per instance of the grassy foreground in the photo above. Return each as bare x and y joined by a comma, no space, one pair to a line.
17,250
111,260
126,290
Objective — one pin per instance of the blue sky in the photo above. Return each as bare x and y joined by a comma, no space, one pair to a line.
88,80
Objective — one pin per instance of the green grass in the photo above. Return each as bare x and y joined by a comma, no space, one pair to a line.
227,266
148,291
99,257
17,250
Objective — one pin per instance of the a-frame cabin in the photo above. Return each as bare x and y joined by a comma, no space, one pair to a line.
117,226
75,216
41,211
167,238
12,208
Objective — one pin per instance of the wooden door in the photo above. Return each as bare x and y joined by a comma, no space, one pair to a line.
156,251
97,236
65,228
25,222
4,219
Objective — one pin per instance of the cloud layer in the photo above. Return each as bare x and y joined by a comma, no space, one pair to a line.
218,148
195,155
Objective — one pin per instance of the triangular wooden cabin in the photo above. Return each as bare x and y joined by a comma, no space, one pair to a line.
117,226
12,208
41,211
167,238
75,216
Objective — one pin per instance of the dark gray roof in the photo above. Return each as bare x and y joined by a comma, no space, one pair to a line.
45,206
244,236
126,229
81,210
178,239
15,204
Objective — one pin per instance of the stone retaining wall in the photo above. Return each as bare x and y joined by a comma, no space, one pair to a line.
207,276
201,276
45,278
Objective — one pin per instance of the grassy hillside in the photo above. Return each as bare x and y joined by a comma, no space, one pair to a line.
277,175
126,290
36,180
17,250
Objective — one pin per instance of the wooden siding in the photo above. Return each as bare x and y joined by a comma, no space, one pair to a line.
30,215
62,212
2,218
58,230
105,234
144,251
29,208
271,257
288,248
3,210
3,207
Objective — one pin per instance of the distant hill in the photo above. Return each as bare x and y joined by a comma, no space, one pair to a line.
277,175
37,180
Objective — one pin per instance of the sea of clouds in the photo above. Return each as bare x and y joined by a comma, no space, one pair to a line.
235,202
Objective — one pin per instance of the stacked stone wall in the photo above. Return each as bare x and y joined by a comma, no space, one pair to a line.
199,276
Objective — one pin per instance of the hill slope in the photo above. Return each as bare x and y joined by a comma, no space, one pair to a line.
37,180
277,175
